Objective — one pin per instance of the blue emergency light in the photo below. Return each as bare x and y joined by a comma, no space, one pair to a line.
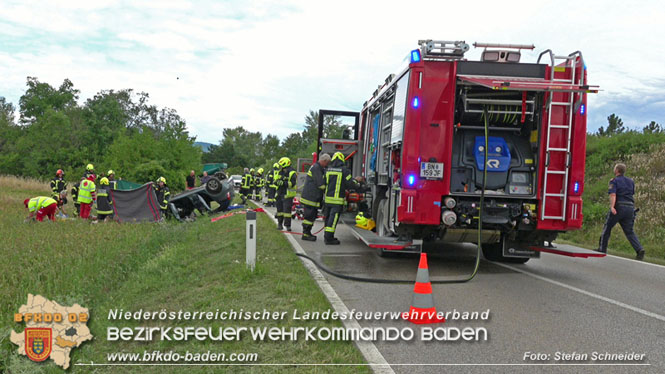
582,109
416,102
411,180
576,187
415,56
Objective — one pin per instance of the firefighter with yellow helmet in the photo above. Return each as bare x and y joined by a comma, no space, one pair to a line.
312,195
271,177
104,200
163,195
338,180
286,191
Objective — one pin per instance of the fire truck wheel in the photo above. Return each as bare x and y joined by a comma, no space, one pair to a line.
492,251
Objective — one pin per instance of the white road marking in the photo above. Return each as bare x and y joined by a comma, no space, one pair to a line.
636,261
376,360
584,292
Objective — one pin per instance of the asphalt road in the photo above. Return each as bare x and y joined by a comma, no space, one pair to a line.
548,305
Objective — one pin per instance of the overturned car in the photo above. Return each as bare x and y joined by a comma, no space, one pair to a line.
218,189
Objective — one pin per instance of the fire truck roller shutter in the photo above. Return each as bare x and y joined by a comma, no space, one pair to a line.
511,161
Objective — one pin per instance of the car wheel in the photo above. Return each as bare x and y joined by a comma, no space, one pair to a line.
213,186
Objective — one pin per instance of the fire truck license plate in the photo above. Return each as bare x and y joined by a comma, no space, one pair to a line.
431,170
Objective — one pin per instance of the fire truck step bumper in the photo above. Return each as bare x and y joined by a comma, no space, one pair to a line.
372,240
569,251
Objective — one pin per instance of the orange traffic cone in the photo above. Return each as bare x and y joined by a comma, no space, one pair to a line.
422,308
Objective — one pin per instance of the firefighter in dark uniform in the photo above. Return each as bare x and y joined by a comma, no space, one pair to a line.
338,180
259,182
58,185
272,176
163,195
112,182
89,170
245,186
286,191
622,211
75,196
252,184
104,202
312,195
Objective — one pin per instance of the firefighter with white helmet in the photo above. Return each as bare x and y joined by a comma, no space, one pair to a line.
286,191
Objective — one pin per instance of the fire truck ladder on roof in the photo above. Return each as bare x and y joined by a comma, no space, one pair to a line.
570,106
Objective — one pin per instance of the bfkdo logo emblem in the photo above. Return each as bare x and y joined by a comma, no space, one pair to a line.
38,343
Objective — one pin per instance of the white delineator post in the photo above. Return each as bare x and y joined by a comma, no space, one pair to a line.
250,240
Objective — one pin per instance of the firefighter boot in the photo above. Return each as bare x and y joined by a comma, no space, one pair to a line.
280,220
307,233
329,238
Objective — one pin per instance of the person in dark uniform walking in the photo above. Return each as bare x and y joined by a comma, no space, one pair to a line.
338,180
286,191
312,195
622,211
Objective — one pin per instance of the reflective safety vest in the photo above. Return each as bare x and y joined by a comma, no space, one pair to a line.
338,180
292,183
86,191
163,197
246,181
104,202
272,179
39,202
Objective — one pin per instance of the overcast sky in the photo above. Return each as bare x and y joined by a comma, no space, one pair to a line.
265,64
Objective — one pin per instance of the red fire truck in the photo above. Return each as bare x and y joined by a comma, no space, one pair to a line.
420,142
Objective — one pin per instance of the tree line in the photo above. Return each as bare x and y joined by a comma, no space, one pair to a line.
118,130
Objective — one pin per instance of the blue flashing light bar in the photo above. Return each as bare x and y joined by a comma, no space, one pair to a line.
582,109
576,187
415,56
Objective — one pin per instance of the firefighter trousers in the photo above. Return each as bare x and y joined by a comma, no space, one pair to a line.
271,195
244,194
331,212
309,217
284,205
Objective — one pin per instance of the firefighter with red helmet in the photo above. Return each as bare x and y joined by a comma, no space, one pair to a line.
286,191
338,180
59,190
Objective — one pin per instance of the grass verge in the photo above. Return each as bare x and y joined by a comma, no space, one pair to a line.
193,266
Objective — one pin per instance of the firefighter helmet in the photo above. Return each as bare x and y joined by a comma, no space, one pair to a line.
59,172
284,162
260,171
89,167
110,172
104,181
275,165
338,156
251,170
161,179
